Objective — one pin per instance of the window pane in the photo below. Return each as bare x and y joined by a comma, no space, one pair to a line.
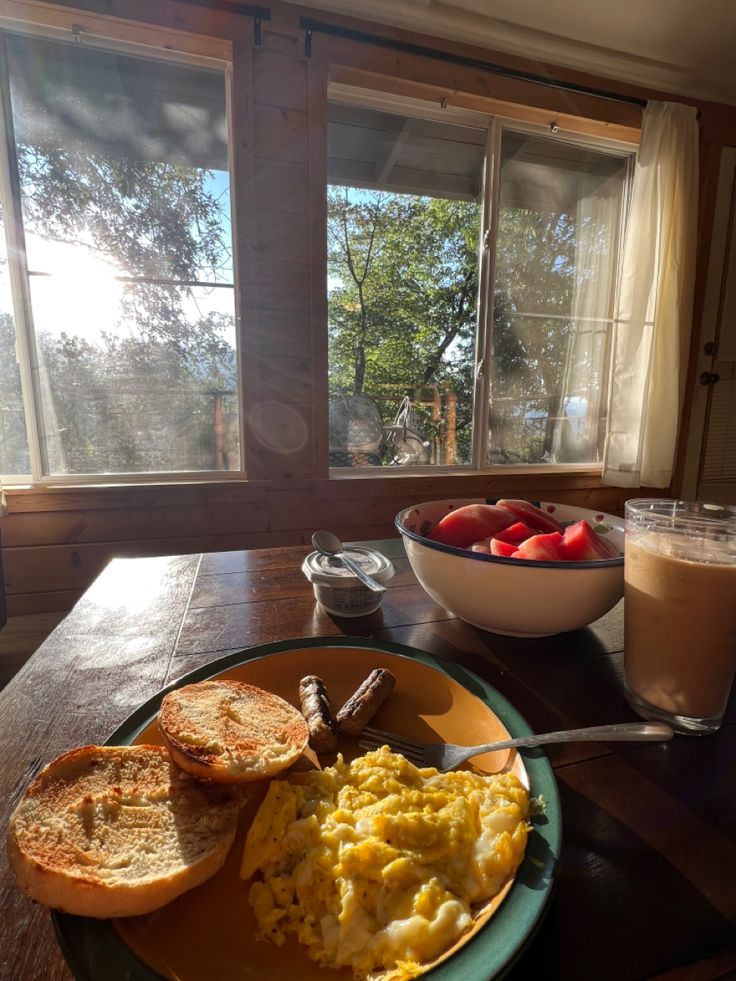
125,193
404,217
14,457
556,256
132,401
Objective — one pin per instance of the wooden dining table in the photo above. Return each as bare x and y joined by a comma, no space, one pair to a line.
646,883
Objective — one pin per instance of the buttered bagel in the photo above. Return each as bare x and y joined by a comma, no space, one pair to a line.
118,831
231,732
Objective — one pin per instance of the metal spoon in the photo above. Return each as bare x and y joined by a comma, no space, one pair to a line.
330,545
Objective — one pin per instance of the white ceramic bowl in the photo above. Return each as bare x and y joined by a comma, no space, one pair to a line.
523,598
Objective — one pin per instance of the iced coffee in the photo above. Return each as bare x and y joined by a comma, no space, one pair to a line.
680,611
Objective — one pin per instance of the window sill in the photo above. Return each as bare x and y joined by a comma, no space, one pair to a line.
108,482
534,471
142,494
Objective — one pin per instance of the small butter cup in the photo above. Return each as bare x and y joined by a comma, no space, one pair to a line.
340,592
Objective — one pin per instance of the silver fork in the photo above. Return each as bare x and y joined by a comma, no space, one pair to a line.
446,756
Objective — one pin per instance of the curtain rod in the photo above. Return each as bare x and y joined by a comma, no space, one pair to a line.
258,13
311,26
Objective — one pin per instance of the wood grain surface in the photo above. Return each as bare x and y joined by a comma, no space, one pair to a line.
645,886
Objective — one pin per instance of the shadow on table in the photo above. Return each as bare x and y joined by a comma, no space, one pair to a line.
556,683
359,626
564,648
621,911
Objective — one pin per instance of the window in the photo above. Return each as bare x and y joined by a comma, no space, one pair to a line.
443,353
404,226
14,458
121,262
557,236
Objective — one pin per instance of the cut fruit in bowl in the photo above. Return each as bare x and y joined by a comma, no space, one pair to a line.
569,572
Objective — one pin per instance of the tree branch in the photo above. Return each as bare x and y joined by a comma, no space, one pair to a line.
450,335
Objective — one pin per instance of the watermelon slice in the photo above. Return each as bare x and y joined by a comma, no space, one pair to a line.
471,523
582,544
546,548
515,534
502,548
530,515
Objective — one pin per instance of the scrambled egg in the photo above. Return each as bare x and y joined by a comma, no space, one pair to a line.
376,865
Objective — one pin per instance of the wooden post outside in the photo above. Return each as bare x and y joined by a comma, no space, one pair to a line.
218,426
436,424
451,437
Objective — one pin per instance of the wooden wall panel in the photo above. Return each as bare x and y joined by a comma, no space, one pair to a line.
280,80
282,237
284,286
287,379
282,186
282,333
282,33
281,134
201,494
284,446
118,525
51,601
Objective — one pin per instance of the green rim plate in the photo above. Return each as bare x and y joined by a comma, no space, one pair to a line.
95,951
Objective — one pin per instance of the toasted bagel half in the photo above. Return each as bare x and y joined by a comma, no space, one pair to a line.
231,732
118,831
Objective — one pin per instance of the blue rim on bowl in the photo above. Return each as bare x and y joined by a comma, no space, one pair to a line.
502,559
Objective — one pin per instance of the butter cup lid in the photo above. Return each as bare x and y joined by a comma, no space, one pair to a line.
325,571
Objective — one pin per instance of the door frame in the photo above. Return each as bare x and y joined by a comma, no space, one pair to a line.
709,325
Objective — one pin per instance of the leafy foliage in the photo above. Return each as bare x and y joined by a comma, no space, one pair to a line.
142,398
13,442
402,308
535,266
152,218
403,278
402,312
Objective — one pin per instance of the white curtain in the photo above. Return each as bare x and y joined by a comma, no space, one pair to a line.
653,316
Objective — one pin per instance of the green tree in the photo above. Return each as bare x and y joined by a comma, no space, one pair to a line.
402,307
13,443
402,310
163,224
535,265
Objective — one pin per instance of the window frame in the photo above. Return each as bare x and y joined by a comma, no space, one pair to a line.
184,52
495,125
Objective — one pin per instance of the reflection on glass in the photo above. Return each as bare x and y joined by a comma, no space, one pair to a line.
125,195
404,217
130,400
14,457
556,255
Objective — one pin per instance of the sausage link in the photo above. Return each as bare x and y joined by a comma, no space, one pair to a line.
363,704
316,710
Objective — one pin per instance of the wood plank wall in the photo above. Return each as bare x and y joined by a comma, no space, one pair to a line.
50,556
55,541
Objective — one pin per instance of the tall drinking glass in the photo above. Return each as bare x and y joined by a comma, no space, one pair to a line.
680,611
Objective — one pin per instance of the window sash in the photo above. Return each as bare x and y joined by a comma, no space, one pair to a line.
20,275
495,127
10,195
